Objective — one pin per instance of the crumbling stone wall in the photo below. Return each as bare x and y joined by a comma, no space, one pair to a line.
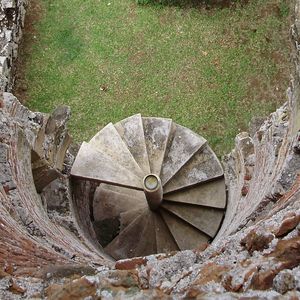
32,146
265,166
12,16
44,253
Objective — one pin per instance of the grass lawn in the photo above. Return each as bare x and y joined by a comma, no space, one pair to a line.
209,70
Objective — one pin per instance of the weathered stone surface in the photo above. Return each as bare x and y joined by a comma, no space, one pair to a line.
131,129
90,162
284,281
211,194
185,236
12,15
109,142
158,132
129,264
287,225
203,166
185,143
254,241
47,149
37,241
78,289
206,219
256,255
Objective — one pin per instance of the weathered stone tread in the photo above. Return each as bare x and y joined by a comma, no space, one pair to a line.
209,193
93,165
185,235
185,144
205,219
157,134
132,133
203,166
108,141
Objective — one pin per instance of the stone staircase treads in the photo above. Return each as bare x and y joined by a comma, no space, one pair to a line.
108,141
184,145
127,217
138,195
110,204
124,245
161,189
157,132
93,165
165,241
185,235
132,133
147,245
203,166
206,194
204,218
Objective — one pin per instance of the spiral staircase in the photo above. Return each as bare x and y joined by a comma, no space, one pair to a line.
160,187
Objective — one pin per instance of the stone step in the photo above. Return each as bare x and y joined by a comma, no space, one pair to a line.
136,194
108,141
185,144
127,217
205,219
203,166
185,235
110,204
131,241
132,133
91,164
147,245
157,133
165,241
209,193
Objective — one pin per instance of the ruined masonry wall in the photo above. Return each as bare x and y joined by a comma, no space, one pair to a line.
43,252
12,16
263,167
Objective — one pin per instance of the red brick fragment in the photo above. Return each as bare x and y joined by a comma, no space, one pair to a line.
288,252
75,290
201,247
263,280
287,225
245,190
3,274
9,269
247,177
15,288
256,242
129,264
6,189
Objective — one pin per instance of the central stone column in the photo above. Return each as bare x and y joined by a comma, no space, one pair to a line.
153,191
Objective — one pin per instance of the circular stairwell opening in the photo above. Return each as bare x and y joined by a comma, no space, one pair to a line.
147,185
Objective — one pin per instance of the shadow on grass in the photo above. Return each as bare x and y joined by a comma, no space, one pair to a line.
204,4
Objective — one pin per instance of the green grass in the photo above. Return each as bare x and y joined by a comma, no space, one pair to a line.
211,71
